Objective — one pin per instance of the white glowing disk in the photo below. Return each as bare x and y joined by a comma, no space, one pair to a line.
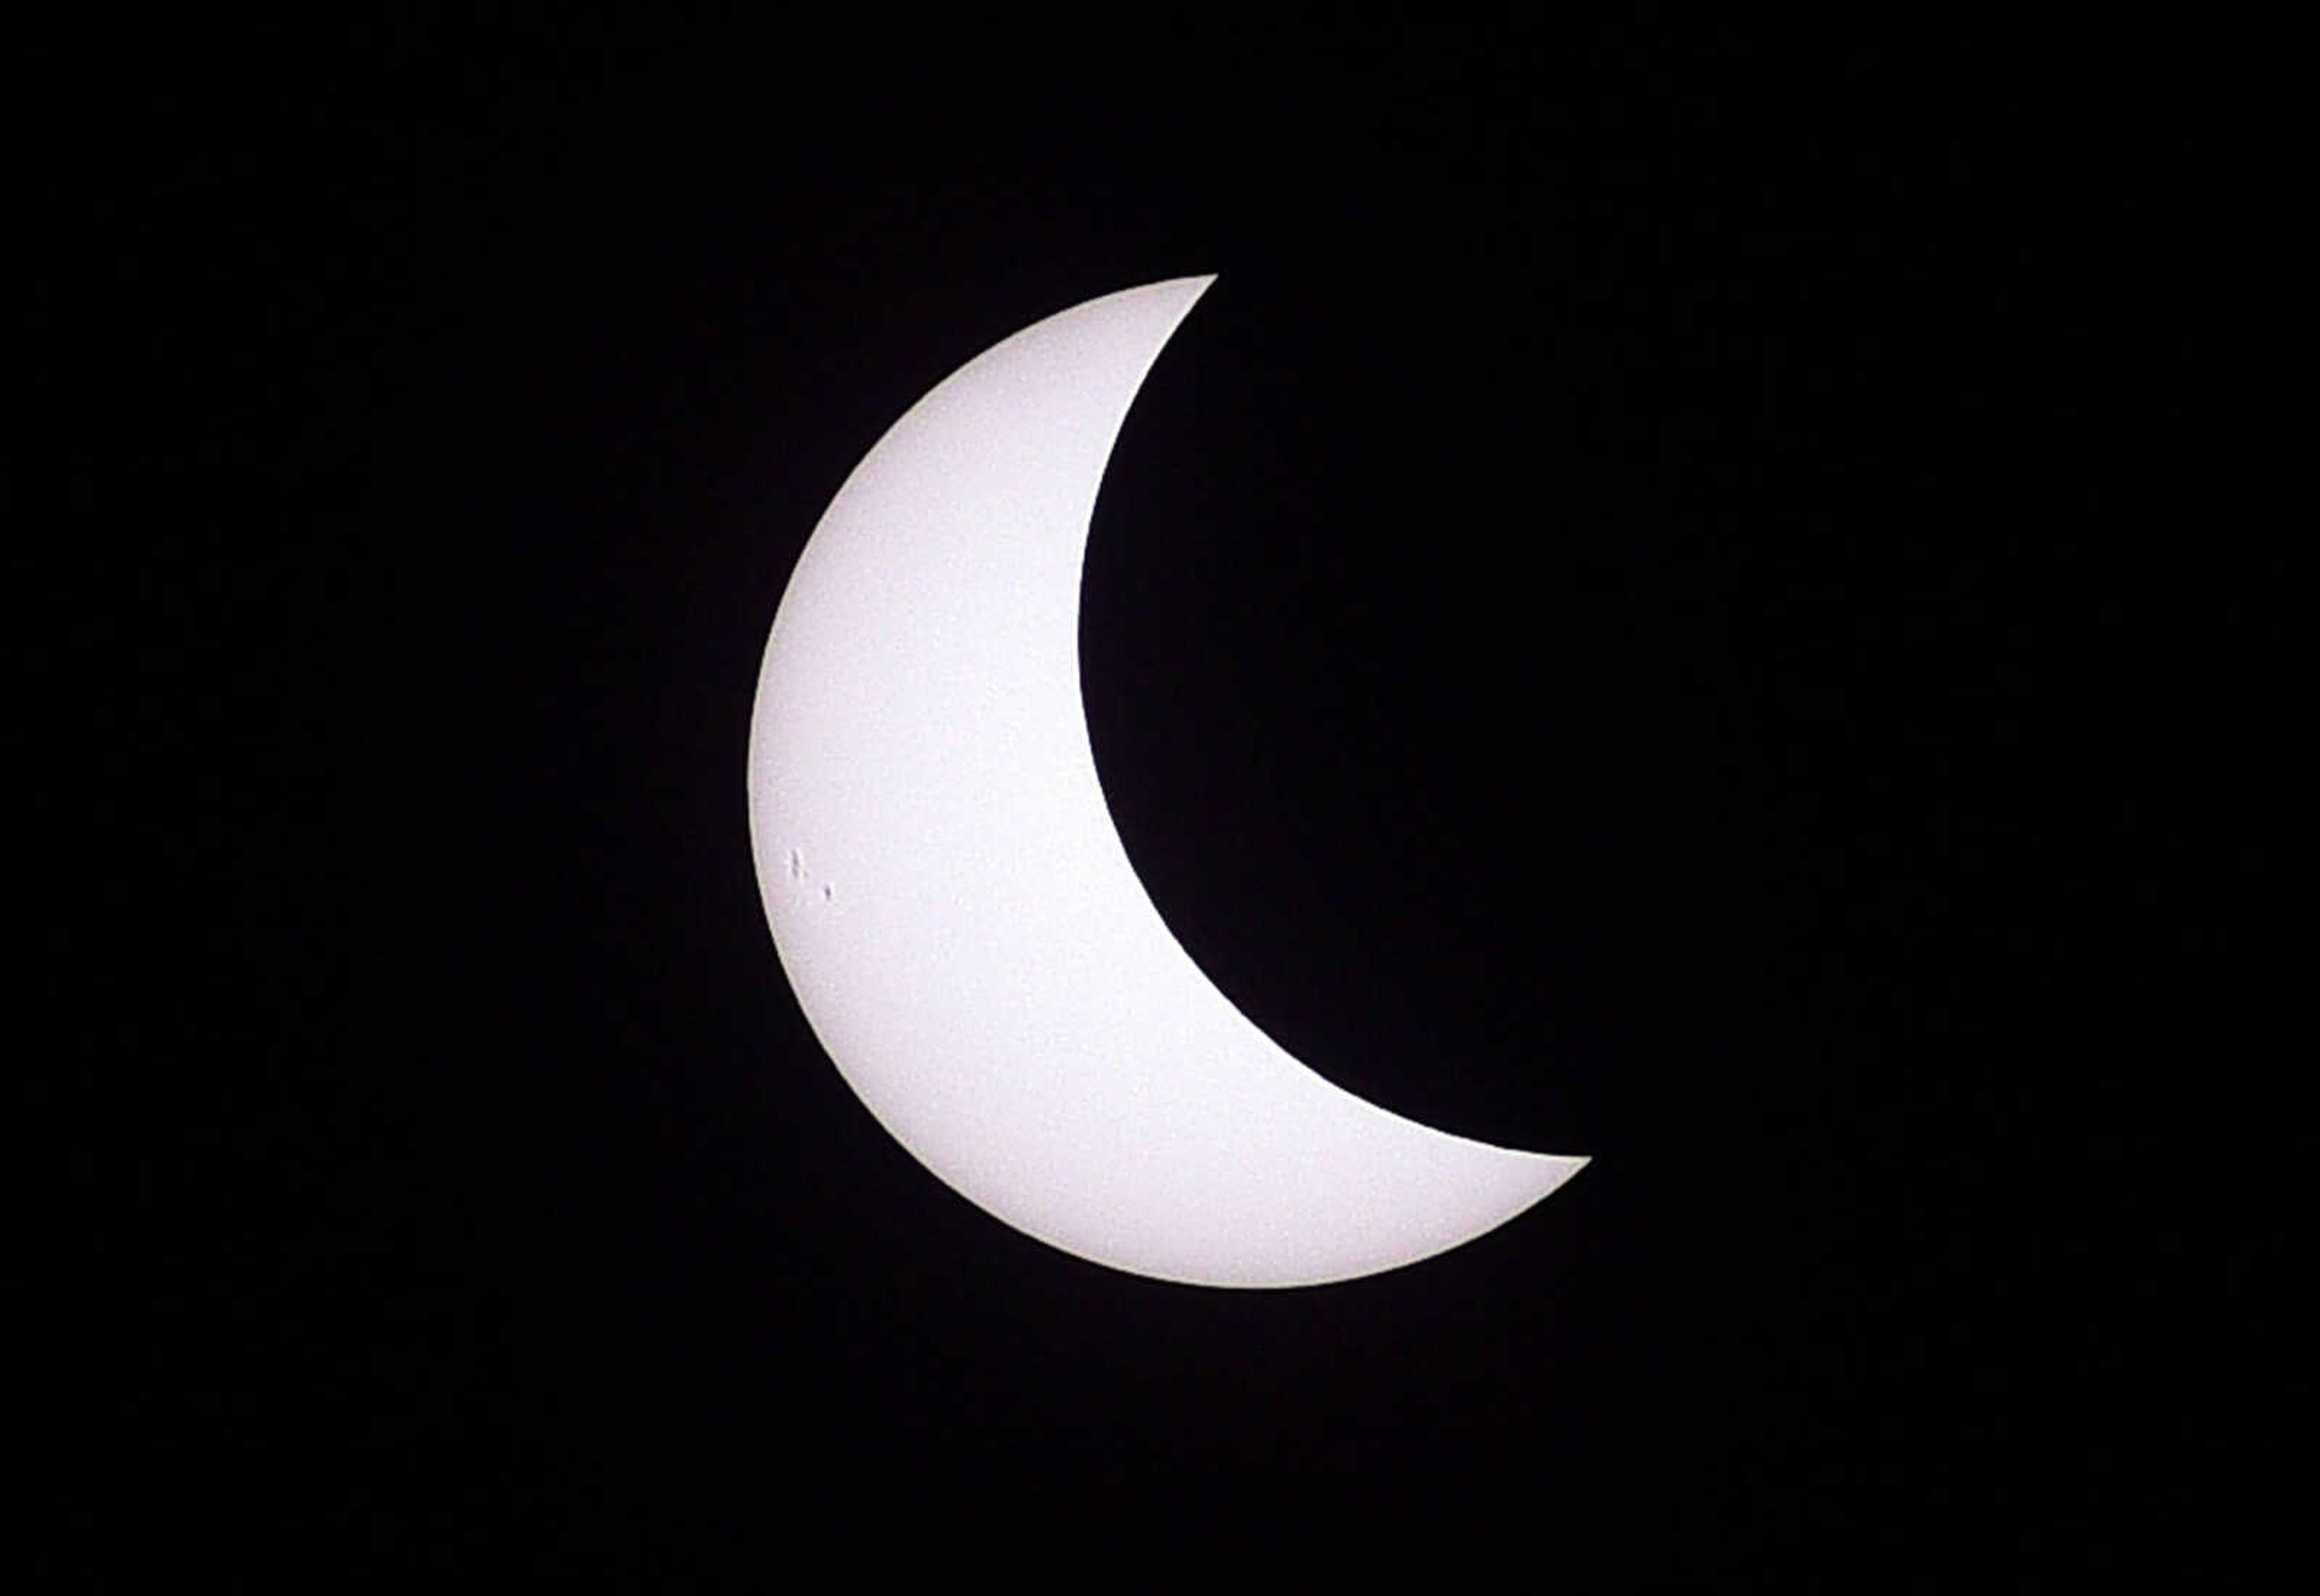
953,905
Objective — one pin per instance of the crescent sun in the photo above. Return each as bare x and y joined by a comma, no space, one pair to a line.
953,905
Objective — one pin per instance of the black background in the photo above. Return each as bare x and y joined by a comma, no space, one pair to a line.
1682,599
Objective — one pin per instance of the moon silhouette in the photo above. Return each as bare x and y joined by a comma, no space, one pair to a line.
952,903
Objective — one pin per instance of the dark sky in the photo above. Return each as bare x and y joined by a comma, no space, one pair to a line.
1680,600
